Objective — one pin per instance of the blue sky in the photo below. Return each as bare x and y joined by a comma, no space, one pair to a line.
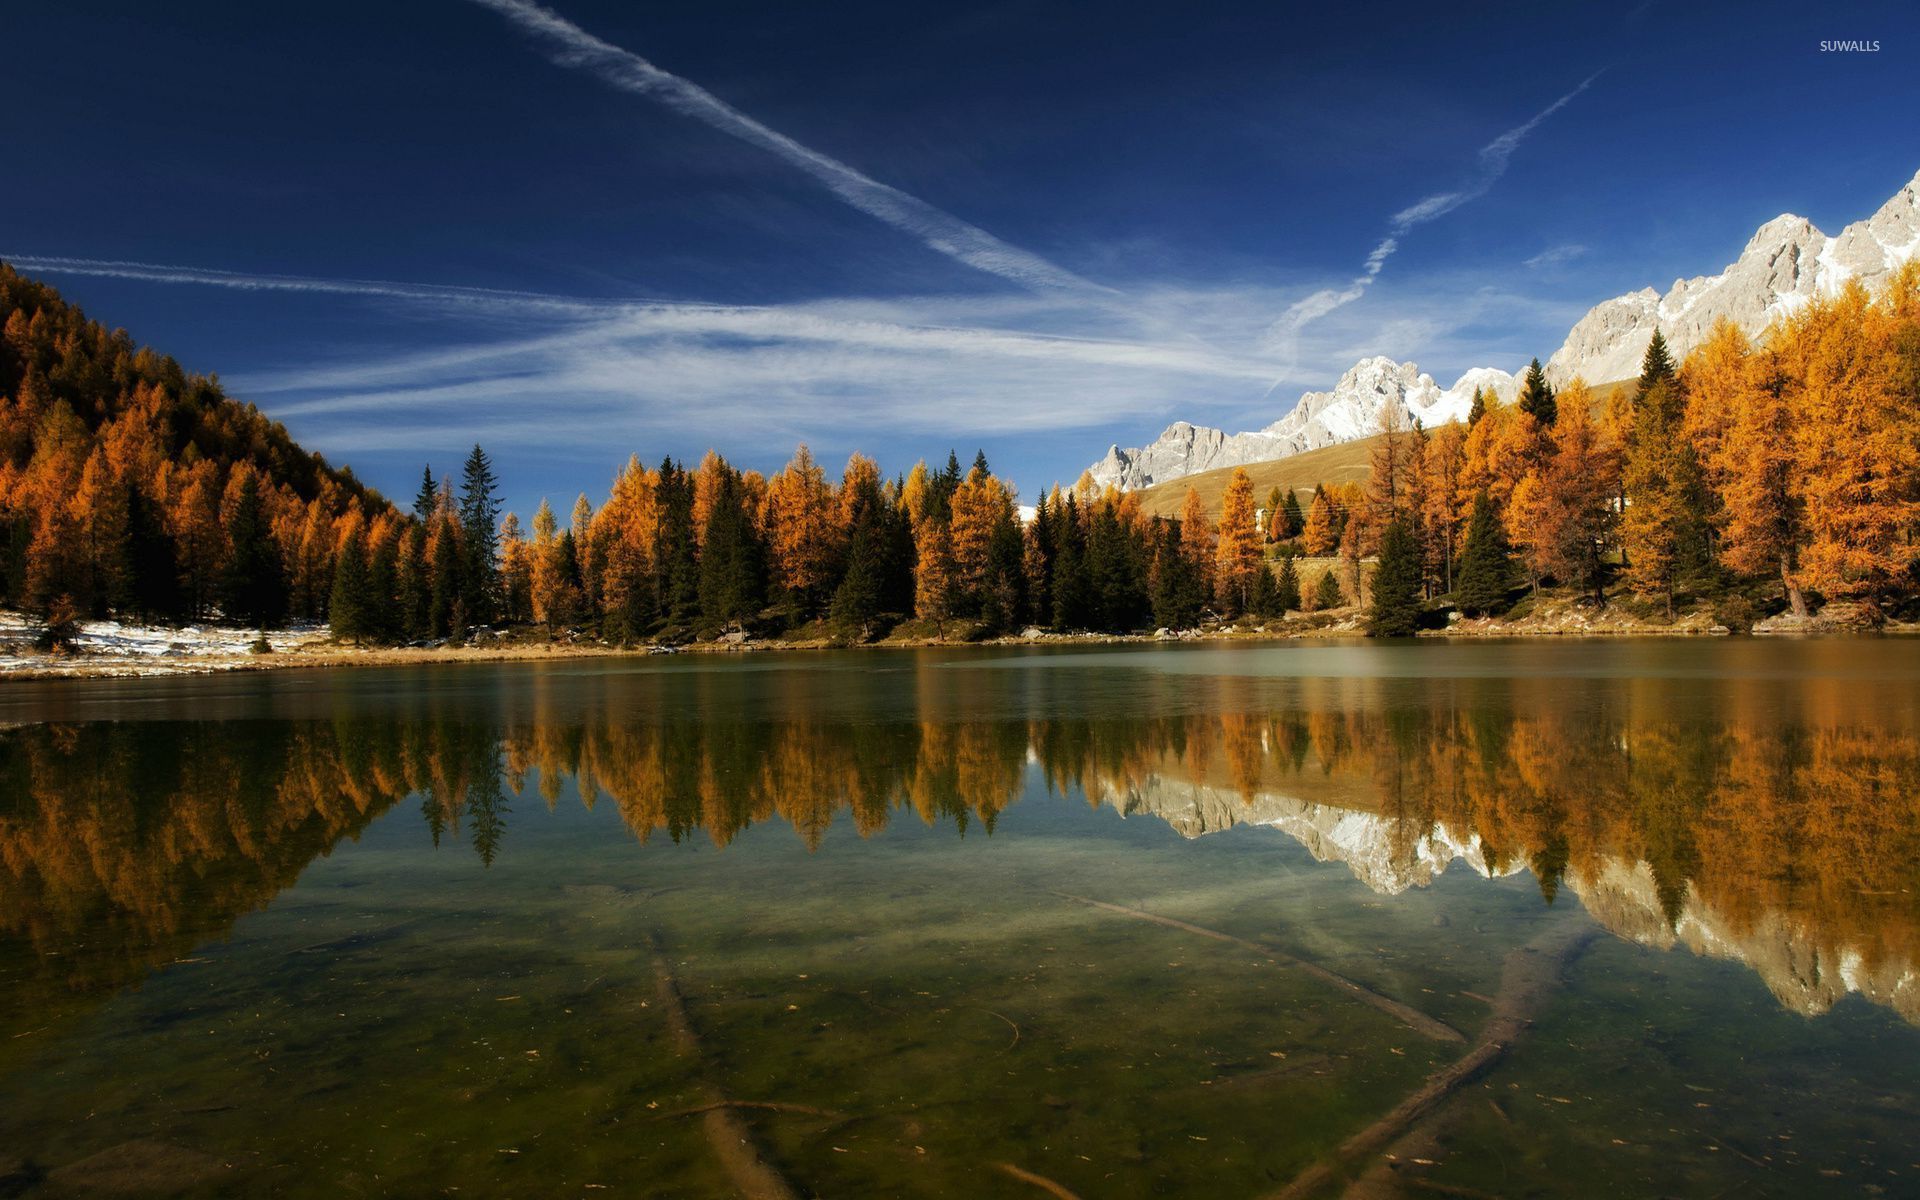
1033,229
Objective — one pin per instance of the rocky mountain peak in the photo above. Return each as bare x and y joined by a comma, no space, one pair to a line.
1785,263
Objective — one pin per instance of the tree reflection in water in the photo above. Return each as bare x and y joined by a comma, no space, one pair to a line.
1785,835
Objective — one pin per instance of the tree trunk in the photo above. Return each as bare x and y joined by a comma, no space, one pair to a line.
1795,600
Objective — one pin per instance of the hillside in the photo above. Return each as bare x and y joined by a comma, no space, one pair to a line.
129,485
1342,463
1300,472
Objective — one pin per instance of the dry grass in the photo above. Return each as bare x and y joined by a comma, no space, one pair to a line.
1329,465
1347,462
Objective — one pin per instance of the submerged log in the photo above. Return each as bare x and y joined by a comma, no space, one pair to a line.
1046,1185
1531,971
727,1135
1406,1014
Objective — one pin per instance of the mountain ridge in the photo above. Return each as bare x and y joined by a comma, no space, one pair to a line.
1786,262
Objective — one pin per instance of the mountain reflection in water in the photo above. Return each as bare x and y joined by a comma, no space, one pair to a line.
1782,835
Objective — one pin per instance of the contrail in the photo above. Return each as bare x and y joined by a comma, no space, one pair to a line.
1493,160
651,318
213,277
571,46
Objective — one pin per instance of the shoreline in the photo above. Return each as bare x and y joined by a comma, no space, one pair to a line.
324,654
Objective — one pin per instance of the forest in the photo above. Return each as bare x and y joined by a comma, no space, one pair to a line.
1759,476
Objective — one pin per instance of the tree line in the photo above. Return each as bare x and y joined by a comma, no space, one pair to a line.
130,487
673,552
1779,472
1784,469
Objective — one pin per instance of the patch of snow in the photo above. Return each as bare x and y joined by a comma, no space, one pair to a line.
144,649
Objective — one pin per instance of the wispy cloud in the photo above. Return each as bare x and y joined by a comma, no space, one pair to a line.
1490,165
1553,256
642,372
439,294
571,46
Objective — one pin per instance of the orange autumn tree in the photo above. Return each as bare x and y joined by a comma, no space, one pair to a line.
1850,378
1237,555
1743,427
1198,541
803,540
1321,536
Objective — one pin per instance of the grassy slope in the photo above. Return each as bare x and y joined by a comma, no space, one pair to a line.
1329,465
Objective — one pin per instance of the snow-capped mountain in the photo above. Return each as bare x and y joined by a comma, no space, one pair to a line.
1351,410
1787,262
1806,967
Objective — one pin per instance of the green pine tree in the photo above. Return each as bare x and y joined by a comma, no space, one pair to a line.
1072,591
412,589
1177,602
856,602
1263,598
428,497
1478,409
1536,396
384,615
446,611
480,525
1327,593
1286,594
255,584
1004,596
1485,573
733,581
678,578
1395,611
350,609
1655,365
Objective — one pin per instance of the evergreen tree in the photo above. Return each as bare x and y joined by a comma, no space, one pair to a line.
1286,592
1478,409
1263,600
1395,611
1072,591
1004,593
733,577
384,617
1177,591
1656,365
156,572
428,497
674,554
479,525
349,609
1116,573
1537,398
1486,562
255,587
1327,593
414,589
446,612
856,602
1037,561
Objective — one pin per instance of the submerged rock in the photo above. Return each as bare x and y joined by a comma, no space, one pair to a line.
142,1167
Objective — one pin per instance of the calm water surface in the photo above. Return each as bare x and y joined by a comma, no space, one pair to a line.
877,924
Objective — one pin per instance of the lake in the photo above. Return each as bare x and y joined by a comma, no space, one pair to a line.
1490,918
